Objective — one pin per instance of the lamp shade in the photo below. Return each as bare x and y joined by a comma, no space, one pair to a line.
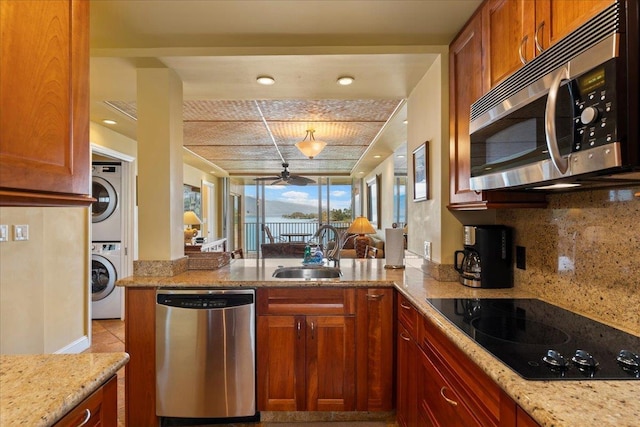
361,226
310,147
190,218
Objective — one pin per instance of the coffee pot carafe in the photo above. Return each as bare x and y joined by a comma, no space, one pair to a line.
486,260
470,268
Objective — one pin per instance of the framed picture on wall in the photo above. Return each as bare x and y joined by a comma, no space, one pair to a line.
421,172
373,201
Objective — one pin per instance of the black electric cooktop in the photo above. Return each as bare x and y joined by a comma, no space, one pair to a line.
541,341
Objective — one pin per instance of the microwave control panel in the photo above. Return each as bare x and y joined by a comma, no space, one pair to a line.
595,108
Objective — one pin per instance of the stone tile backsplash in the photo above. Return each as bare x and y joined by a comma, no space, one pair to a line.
583,253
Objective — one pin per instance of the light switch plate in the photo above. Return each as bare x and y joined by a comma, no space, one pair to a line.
427,250
20,232
4,233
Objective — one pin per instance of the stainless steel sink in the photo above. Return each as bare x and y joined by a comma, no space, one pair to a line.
307,272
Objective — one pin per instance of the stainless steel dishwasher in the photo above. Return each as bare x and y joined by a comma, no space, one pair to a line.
205,353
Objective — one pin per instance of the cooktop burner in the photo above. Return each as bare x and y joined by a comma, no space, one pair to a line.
541,341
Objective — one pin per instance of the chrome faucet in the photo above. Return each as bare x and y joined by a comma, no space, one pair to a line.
334,253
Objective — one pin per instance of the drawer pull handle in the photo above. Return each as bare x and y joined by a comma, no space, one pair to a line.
87,417
404,337
449,401
535,37
375,297
313,330
520,54
299,327
406,307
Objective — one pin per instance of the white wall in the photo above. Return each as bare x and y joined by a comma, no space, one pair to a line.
44,282
428,120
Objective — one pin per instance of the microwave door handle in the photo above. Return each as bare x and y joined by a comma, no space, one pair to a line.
562,164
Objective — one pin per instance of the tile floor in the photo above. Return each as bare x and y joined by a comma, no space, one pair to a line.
108,336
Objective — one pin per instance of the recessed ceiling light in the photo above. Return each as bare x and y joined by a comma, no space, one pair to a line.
345,80
400,156
377,156
266,80
405,121
109,122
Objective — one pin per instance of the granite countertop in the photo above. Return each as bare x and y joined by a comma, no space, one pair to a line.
550,403
38,390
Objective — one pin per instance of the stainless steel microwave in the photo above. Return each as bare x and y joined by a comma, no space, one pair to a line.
567,118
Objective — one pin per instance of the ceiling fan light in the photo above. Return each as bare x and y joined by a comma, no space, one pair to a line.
265,80
310,147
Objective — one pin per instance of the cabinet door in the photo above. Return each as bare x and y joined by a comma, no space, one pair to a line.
557,18
507,36
44,106
99,409
406,405
465,87
281,363
374,352
330,363
524,420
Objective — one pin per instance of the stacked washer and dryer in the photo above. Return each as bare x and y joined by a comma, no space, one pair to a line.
106,232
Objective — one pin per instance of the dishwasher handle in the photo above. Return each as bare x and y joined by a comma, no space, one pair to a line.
204,301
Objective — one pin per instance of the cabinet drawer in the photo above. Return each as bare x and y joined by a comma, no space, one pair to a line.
408,315
472,387
441,403
312,301
99,409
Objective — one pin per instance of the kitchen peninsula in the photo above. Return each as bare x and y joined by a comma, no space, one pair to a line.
549,403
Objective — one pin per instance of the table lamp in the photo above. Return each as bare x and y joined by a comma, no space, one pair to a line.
361,226
190,218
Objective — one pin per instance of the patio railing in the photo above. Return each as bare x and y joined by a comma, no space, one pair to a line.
253,234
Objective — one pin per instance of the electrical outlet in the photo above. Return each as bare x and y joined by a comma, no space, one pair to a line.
521,257
20,232
427,250
4,233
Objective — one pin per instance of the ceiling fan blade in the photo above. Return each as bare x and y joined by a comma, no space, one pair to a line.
278,181
300,180
266,178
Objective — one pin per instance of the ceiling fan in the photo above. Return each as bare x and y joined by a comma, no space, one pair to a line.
286,178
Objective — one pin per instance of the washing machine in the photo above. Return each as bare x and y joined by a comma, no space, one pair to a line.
106,297
106,188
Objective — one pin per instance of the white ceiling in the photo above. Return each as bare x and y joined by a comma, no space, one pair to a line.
218,48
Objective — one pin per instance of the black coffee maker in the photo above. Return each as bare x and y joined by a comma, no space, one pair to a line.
487,258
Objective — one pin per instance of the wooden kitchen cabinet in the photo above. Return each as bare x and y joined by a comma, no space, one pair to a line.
516,31
452,387
374,349
44,103
488,50
407,364
306,349
140,344
466,85
99,409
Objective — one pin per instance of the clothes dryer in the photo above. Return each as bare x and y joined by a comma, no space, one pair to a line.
106,188
106,297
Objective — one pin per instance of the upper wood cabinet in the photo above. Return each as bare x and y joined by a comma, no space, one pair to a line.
494,43
44,103
508,33
465,86
516,31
